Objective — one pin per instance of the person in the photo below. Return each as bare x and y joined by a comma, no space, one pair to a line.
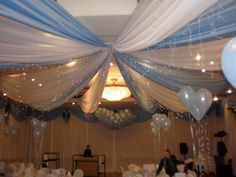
169,163
87,151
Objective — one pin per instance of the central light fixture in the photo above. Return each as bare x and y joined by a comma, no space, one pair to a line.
115,91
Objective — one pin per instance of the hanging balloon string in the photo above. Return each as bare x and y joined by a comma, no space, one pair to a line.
198,152
207,147
193,141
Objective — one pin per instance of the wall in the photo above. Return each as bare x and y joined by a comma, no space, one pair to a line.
132,144
12,151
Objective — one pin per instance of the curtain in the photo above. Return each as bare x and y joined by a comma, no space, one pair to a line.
161,94
216,23
50,17
51,87
176,78
155,20
22,46
90,100
143,99
185,57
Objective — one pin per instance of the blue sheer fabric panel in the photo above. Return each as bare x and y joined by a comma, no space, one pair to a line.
175,78
143,99
48,16
217,22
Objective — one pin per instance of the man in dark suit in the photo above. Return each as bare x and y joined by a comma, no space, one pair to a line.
87,151
169,163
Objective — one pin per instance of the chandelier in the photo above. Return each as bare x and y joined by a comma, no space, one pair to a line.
115,92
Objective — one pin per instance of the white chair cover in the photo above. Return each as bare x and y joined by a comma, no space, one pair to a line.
134,168
191,174
29,170
180,174
181,168
128,174
78,173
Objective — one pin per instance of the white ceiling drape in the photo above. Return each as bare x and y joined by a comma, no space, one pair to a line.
90,100
21,44
164,96
49,88
154,20
185,56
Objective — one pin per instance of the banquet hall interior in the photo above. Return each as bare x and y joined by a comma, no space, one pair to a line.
108,87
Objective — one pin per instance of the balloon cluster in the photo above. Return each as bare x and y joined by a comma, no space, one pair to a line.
11,132
160,121
114,119
38,127
196,102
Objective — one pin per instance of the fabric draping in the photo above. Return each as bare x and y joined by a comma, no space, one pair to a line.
48,16
163,95
90,100
155,20
185,57
144,100
216,23
22,45
173,78
43,33
50,88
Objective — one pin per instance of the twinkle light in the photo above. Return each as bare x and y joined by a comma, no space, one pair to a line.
203,70
70,64
33,79
23,74
40,85
198,57
111,64
215,98
73,103
229,91
4,94
99,102
211,62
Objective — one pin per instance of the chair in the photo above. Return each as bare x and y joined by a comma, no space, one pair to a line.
180,174
134,168
78,173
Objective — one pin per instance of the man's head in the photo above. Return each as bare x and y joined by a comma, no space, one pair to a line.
88,146
167,153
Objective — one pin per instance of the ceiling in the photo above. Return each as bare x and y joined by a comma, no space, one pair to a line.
105,18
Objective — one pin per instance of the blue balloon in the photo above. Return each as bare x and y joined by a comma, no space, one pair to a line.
228,61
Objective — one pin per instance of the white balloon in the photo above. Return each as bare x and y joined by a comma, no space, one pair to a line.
43,124
37,134
34,122
228,61
7,130
196,102
166,124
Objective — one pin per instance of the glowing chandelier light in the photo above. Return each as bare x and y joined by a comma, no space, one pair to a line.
115,92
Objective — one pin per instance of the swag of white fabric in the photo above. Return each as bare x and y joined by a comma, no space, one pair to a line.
90,100
47,89
21,44
154,20
73,61
193,57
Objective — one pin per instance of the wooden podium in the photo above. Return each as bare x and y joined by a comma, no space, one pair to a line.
92,166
